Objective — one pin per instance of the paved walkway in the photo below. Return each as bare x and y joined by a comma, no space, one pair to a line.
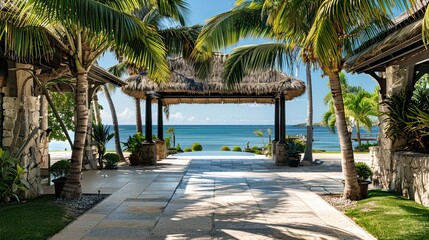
233,198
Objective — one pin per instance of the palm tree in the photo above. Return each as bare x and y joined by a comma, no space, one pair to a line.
338,28
360,108
248,19
359,104
115,122
335,29
82,38
178,41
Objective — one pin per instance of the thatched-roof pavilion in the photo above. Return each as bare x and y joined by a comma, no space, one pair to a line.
265,87
185,87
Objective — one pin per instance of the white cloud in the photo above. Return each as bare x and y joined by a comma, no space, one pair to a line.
207,119
106,116
177,116
191,119
127,114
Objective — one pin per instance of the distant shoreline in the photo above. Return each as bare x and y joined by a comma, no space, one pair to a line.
318,124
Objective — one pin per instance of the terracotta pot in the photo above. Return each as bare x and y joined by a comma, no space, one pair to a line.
59,185
363,188
294,160
134,160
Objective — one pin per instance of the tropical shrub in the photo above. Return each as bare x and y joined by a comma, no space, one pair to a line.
365,147
178,148
167,142
188,149
236,149
134,144
363,171
225,148
268,150
407,117
295,146
100,137
256,150
196,147
111,159
60,169
10,174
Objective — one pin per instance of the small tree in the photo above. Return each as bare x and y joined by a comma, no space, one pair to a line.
172,132
260,133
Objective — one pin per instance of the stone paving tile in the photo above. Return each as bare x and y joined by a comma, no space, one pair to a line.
118,233
214,199
248,234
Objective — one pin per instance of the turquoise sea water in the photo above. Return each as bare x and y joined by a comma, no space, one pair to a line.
213,137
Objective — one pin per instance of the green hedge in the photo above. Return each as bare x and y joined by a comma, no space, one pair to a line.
225,148
196,147
236,149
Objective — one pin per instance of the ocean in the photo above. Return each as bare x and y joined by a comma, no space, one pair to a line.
213,137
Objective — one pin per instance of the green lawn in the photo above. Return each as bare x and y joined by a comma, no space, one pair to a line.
35,219
389,216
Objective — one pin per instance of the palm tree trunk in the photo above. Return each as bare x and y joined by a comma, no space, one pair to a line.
96,109
358,134
115,123
174,140
351,187
308,155
73,188
139,124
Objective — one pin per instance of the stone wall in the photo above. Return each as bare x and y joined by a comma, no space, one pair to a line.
28,135
396,81
412,176
21,127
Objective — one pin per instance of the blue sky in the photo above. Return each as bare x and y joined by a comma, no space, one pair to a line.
234,114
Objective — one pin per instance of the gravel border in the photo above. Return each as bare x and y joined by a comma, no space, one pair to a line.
75,208
336,201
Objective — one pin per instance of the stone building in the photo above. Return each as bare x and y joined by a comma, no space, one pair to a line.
24,120
397,59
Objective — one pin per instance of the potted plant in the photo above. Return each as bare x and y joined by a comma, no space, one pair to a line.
364,174
293,152
111,160
134,146
101,136
59,172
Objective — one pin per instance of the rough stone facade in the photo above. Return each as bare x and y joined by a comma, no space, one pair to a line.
412,176
280,156
148,154
21,128
396,81
161,150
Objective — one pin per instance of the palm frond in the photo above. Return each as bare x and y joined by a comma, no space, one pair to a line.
119,69
228,28
244,60
180,40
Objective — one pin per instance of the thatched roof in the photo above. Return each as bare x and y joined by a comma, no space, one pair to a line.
405,33
185,87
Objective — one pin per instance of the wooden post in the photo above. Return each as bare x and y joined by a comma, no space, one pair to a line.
160,121
276,119
148,136
282,134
